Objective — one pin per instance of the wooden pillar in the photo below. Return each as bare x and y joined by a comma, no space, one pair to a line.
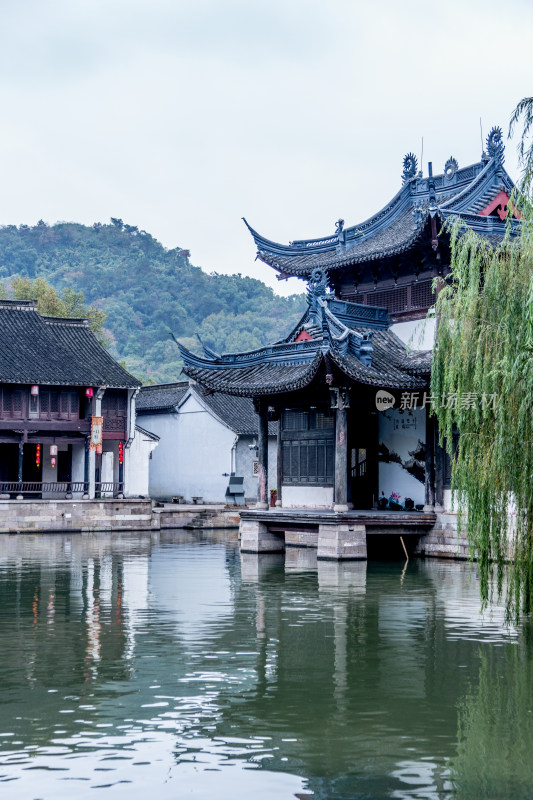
430,462
86,469
21,456
262,454
19,477
279,463
341,403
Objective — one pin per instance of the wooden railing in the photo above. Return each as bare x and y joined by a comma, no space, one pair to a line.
60,487
108,487
38,487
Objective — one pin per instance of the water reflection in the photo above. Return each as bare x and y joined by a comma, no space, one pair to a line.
168,660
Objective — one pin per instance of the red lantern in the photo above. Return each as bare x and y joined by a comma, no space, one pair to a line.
53,461
37,455
89,391
120,453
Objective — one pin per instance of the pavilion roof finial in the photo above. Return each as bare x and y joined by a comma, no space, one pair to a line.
410,165
495,145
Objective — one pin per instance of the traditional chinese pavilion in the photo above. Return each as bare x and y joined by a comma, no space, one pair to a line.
338,383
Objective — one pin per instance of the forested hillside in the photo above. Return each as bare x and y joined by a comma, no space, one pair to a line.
146,291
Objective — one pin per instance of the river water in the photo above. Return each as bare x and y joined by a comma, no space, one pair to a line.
166,665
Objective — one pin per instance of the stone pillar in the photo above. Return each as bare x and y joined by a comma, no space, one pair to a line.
262,455
256,538
341,402
279,464
342,542
429,499
91,463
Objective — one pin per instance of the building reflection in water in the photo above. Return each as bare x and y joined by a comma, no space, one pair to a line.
351,675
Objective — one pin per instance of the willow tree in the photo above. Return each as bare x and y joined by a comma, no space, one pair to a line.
482,379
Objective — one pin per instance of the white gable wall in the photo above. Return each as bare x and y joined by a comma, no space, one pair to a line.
194,452
162,481
137,464
203,454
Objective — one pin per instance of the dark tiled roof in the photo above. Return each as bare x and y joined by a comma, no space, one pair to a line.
390,368
162,397
54,351
396,238
401,223
355,338
150,435
237,412
257,380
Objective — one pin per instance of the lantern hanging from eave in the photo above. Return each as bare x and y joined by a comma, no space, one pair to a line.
89,392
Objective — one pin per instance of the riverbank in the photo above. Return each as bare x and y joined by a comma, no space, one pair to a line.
436,537
47,516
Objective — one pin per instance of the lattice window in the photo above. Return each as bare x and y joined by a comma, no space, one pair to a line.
54,402
74,403
422,295
114,403
295,420
309,462
12,403
394,300
17,402
321,420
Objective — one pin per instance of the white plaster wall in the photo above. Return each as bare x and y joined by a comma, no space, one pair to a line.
400,439
78,465
193,453
419,334
203,453
307,496
244,464
50,473
107,472
162,466
137,465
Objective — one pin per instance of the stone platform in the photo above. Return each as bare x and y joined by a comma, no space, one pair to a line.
336,535
18,516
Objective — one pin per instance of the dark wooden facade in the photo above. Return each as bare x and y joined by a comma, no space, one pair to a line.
54,376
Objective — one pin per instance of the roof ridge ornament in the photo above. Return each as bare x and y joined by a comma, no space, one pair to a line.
316,290
410,165
495,145
450,168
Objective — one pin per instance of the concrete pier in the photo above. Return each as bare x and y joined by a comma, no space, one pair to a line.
341,542
256,538
336,535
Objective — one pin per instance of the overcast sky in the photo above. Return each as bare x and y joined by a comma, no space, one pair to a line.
182,116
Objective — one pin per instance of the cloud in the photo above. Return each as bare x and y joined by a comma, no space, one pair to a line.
181,117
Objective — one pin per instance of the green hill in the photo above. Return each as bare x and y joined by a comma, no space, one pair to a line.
146,291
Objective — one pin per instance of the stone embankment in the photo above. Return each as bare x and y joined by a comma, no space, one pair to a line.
34,516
